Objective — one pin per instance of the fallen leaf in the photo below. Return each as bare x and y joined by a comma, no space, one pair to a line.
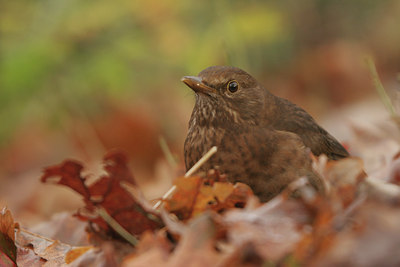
196,248
75,253
27,257
194,195
182,201
108,193
68,173
52,252
272,229
64,227
153,250
372,239
8,250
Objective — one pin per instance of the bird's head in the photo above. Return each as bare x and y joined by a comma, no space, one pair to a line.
226,94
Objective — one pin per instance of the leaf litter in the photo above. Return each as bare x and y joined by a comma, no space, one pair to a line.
208,221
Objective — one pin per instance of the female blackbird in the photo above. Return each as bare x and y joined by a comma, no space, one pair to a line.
262,139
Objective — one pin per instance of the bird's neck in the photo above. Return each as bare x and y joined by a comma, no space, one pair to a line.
211,113
272,111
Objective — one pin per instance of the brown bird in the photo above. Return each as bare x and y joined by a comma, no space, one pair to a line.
261,138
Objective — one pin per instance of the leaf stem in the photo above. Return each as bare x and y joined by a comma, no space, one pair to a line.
167,152
116,226
379,87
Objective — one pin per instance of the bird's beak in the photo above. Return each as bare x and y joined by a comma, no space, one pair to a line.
197,85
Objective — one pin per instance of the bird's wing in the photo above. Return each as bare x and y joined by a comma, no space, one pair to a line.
289,153
298,121
322,142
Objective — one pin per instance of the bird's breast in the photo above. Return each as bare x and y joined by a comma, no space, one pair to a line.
198,141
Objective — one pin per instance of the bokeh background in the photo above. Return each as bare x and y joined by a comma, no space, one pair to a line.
78,78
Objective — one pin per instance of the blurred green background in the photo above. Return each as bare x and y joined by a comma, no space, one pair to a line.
79,75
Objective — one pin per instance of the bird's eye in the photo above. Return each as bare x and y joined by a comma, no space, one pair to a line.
233,86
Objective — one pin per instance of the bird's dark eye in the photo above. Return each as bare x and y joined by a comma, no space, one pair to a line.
233,86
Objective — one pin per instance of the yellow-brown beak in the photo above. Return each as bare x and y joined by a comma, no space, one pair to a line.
197,85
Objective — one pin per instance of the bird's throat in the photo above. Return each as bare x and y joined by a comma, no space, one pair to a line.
211,113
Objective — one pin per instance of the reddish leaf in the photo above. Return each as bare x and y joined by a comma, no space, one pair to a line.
116,165
108,193
120,204
69,173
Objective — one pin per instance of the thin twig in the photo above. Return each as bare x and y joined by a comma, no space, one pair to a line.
203,160
116,226
189,173
167,152
169,192
379,87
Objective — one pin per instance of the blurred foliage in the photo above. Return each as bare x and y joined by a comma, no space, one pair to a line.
59,56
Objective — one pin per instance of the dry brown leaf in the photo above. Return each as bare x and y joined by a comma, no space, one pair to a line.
152,250
345,176
393,173
372,240
194,195
8,250
64,227
196,248
197,245
333,212
27,257
272,229
52,252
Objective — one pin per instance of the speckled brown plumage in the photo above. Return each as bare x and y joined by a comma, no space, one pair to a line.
262,139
